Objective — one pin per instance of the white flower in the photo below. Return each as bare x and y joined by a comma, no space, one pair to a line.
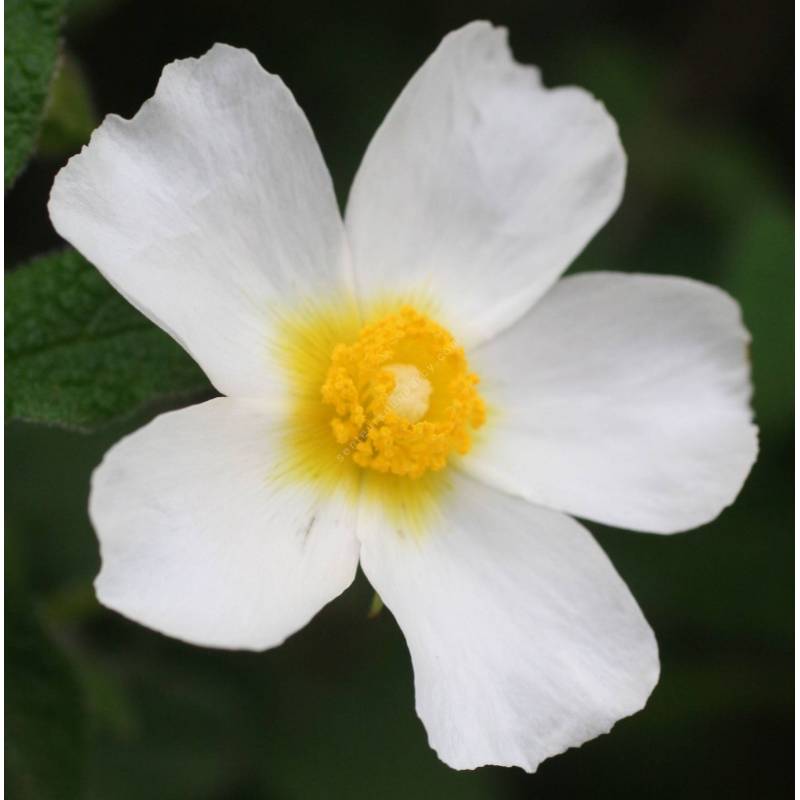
352,429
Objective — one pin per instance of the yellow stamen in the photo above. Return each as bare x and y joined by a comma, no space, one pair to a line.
402,397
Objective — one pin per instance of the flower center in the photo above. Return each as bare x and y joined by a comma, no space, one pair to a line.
402,395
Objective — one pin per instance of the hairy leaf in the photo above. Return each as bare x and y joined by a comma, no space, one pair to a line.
77,354
31,51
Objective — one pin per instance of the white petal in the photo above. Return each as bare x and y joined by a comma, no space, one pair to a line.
481,186
524,639
200,540
211,211
621,398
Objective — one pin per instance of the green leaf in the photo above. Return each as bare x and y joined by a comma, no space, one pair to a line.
31,51
78,355
44,716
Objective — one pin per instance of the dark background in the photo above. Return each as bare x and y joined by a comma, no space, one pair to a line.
703,96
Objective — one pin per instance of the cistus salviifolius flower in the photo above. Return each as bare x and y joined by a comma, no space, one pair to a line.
413,388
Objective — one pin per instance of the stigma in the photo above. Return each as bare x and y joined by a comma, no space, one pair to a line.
411,393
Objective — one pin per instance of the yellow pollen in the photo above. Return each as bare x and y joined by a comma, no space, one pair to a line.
402,396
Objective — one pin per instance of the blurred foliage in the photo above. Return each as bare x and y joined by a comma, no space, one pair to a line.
70,117
44,712
31,52
78,355
760,249
699,93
